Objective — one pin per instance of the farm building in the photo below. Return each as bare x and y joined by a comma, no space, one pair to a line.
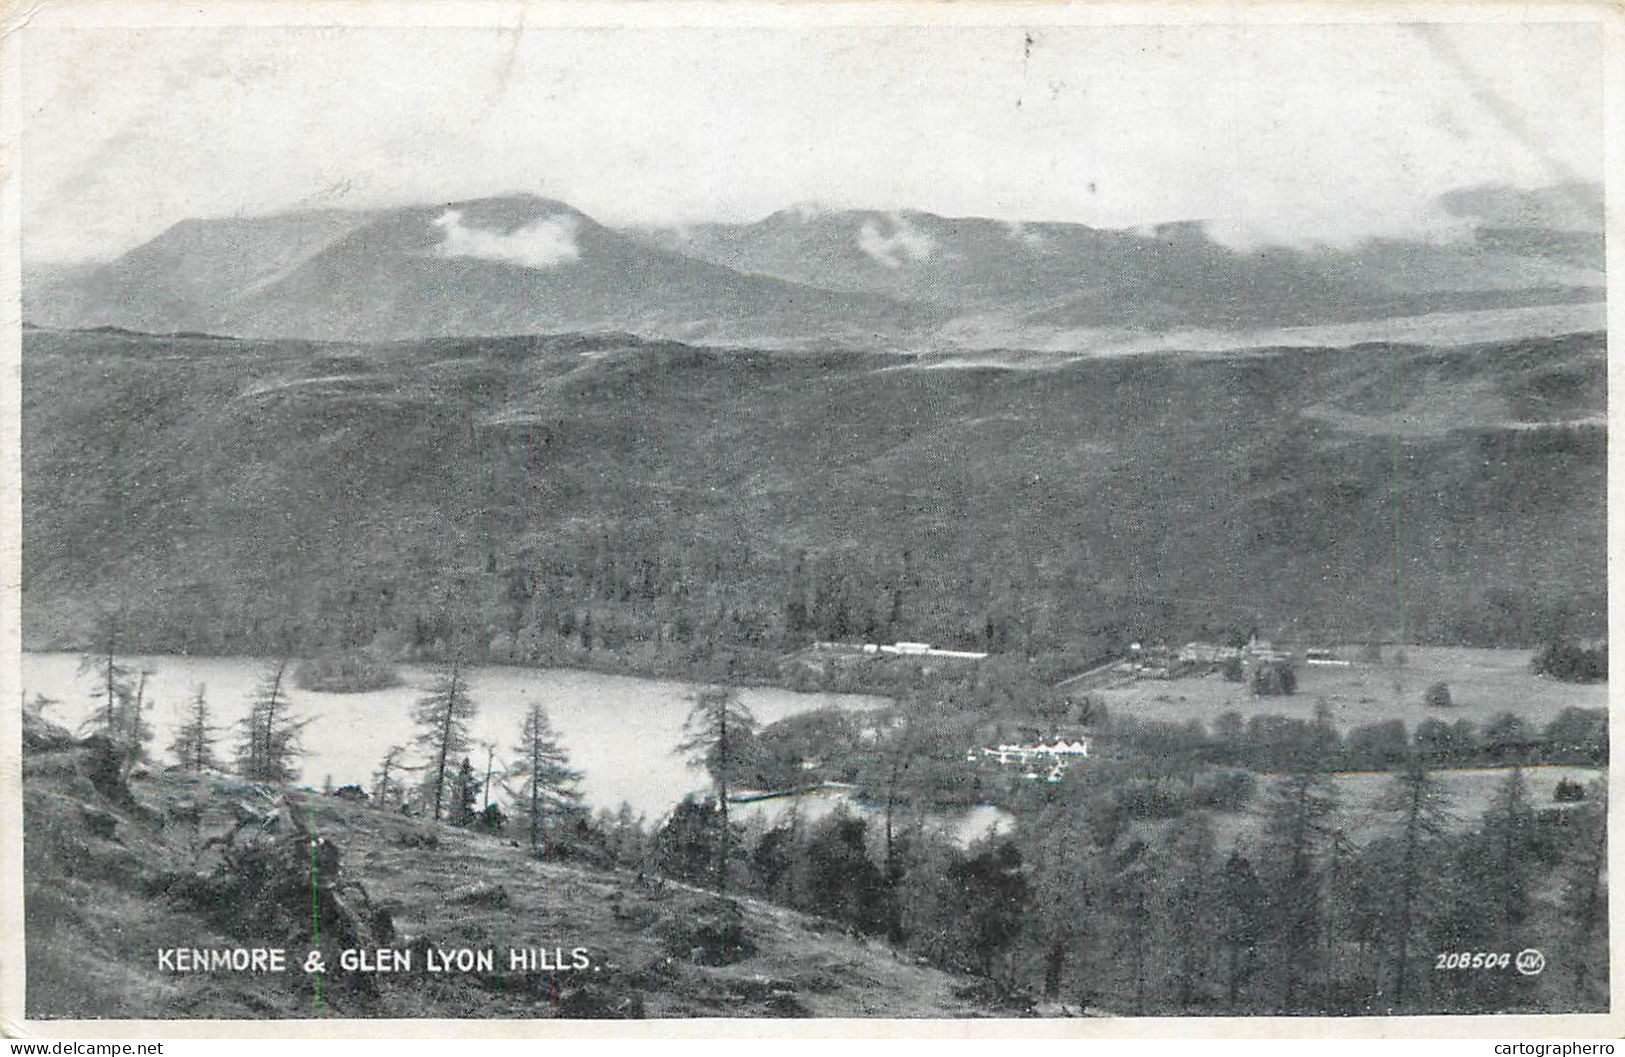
1207,653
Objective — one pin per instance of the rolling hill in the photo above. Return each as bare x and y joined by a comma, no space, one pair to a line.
214,489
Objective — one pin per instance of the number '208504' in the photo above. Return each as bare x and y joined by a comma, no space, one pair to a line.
1473,960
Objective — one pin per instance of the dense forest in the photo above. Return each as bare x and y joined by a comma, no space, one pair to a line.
1081,908
1119,892
659,508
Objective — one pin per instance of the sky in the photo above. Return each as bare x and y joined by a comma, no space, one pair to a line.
1293,134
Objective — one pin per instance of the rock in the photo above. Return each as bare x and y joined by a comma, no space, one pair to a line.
480,892
417,838
104,767
41,735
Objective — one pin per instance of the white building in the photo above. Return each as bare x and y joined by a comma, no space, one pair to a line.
1059,752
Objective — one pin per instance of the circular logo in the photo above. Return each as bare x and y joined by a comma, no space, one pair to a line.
1530,962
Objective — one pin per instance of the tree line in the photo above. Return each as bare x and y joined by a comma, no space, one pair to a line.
1271,742
1322,907
439,780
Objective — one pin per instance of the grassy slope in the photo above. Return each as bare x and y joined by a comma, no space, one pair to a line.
199,475
99,907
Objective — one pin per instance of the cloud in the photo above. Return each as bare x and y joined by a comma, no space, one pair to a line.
903,243
1342,225
541,244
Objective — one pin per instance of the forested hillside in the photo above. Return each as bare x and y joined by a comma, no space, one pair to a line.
666,504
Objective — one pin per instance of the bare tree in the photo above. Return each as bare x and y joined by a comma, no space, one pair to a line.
37,707
490,748
384,783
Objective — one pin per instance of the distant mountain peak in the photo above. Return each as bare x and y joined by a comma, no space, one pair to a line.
810,274
803,212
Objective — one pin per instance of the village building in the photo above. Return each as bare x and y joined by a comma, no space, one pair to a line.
1207,653
1047,760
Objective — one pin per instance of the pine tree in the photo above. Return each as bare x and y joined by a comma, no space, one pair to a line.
465,791
269,748
443,715
903,751
133,725
1132,878
549,790
1584,900
1184,906
1068,887
1242,906
1509,825
113,690
1298,827
194,742
1421,808
716,725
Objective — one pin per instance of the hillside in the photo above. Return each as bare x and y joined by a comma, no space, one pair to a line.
218,490
117,873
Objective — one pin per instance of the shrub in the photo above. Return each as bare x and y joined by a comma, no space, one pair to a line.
1226,791
710,935
1571,663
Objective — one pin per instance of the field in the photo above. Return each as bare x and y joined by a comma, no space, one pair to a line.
1483,683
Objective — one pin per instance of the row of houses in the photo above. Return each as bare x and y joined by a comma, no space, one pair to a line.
896,649
822,655
1046,760
1163,662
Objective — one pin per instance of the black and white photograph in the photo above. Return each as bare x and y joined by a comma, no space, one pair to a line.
899,512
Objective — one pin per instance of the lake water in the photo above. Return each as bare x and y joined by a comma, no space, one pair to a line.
619,731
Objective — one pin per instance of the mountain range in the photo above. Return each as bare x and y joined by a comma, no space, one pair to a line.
812,277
